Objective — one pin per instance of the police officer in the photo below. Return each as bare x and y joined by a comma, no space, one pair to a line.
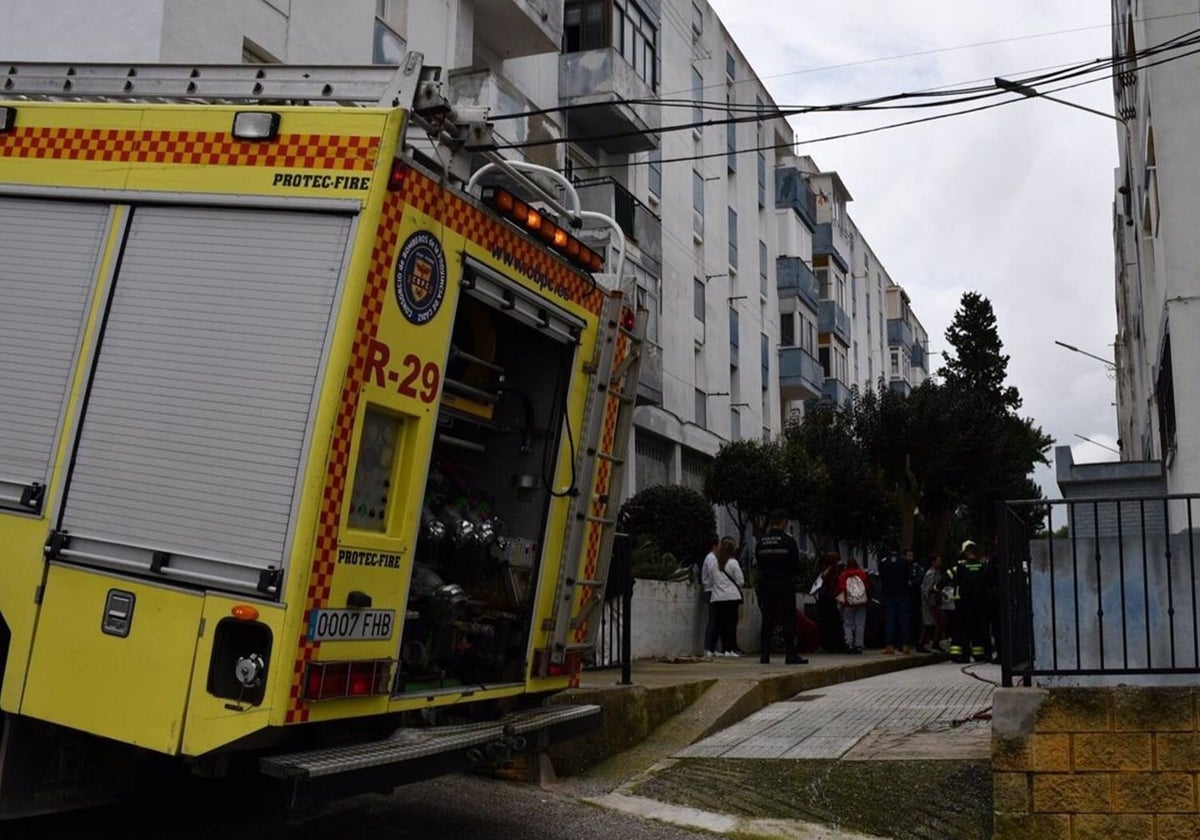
778,559
970,580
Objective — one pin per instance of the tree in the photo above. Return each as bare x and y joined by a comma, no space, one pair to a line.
999,448
745,477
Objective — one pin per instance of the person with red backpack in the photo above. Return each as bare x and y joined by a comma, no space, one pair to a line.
852,594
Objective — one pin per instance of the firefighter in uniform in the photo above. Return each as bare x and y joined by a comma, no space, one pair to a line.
778,559
969,580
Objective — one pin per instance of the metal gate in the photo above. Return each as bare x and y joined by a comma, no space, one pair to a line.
1099,589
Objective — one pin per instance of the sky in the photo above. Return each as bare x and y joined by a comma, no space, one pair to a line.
1014,203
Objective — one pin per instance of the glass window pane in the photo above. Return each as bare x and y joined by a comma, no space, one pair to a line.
378,447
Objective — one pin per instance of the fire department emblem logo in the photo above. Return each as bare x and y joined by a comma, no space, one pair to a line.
420,277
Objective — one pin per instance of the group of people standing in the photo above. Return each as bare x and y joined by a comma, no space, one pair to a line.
957,602
777,558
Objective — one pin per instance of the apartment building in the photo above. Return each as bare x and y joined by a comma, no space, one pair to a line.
1157,251
763,294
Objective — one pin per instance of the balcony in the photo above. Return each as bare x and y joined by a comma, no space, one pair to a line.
501,97
900,387
642,227
829,241
519,28
597,84
800,375
919,357
836,391
831,318
899,332
792,191
794,277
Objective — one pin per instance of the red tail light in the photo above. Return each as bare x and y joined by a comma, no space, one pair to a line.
396,176
361,678
572,664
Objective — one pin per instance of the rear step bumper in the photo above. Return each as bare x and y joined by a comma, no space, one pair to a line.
412,754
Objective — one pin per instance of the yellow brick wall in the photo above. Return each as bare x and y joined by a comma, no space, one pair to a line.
1102,763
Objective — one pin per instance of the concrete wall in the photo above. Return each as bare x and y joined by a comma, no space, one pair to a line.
1095,763
669,619
1138,622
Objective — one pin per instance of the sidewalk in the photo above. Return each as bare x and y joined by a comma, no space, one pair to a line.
674,703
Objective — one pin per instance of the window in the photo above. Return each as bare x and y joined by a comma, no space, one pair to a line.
587,25
895,364
841,291
856,379
787,329
853,295
823,356
822,275
697,97
697,203
735,424
697,22
655,170
1164,394
763,281
765,353
701,409
649,289
762,180
583,26
733,238
730,66
733,337
731,144
698,305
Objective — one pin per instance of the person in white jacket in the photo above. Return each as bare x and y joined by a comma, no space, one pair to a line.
727,580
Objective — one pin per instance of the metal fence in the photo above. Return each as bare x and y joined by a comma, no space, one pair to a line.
613,641
1096,588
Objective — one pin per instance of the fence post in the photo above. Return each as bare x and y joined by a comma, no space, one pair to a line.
623,561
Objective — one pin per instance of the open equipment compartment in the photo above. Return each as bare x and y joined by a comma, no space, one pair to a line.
487,498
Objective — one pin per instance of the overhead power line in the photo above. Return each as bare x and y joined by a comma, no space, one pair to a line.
945,98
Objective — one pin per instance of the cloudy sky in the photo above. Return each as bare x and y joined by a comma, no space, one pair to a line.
1013,202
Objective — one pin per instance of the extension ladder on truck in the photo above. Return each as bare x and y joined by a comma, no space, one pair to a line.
607,423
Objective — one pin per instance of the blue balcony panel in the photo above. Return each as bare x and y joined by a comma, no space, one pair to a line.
831,318
792,190
823,245
837,391
800,374
899,332
794,277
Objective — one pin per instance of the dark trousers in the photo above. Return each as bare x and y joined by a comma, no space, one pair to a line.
895,620
831,625
778,606
727,621
971,637
710,628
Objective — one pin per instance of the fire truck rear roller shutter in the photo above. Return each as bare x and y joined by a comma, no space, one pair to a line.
49,252
195,432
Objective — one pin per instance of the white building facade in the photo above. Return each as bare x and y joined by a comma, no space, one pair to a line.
1157,250
763,294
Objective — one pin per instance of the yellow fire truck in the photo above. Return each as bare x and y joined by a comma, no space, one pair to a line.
308,453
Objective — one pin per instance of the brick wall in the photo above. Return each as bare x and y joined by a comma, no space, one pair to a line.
1096,763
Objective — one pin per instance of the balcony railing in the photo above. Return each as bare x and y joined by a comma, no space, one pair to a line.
501,97
800,375
792,191
826,241
794,277
900,387
836,391
918,356
899,332
599,86
831,318
641,225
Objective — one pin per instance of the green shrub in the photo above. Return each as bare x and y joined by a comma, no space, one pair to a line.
651,563
677,519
